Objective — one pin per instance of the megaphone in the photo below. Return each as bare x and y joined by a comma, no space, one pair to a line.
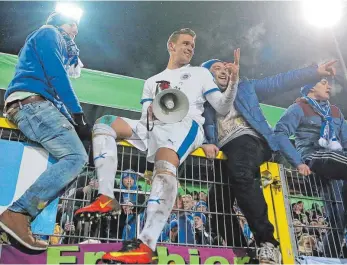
170,106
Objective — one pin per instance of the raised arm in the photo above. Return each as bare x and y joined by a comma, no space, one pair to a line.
295,78
221,102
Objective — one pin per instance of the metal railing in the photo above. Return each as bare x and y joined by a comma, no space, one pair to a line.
307,212
317,214
200,179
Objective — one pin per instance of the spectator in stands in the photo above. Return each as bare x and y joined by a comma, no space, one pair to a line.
174,231
201,206
195,197
247,233
184,220
246,138
320,145
203,235
203,196
188,203
128,200
37,100
300,207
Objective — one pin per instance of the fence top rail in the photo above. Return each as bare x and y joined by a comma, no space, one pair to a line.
6,124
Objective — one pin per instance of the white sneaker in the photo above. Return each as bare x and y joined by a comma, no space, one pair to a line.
269,254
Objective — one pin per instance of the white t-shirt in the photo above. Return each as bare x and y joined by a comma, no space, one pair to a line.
195,82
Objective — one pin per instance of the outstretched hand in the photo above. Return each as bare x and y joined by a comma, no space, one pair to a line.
327,69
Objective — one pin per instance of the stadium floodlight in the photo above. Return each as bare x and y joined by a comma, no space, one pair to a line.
322,13
69,10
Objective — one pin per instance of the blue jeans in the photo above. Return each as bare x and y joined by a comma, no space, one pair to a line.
43,123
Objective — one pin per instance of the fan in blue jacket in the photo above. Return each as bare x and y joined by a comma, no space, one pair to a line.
320,132
247,139
36,101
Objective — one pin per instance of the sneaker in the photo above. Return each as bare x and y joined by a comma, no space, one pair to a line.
17,225
132,252
101,205
269,254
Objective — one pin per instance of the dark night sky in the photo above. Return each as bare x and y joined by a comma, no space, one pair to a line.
129,38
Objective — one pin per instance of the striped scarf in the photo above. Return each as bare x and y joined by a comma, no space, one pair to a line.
327,138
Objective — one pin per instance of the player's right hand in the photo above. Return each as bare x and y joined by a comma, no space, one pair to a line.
304,169
211,151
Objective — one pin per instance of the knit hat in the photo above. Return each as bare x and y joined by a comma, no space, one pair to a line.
129,173
201,203
209,63
173,224
306,89
202,217
132,197
57,19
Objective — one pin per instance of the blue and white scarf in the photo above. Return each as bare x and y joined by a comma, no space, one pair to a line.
74,64
327,138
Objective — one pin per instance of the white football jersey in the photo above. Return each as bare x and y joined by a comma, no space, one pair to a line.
195,82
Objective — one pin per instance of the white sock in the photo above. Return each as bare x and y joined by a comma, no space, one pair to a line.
160,203
105,157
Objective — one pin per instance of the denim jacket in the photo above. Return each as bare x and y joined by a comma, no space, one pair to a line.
247,103
301,121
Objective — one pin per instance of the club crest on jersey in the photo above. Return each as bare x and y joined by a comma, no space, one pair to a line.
185,76
163,84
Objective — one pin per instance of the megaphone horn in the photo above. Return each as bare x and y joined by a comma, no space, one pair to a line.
170,106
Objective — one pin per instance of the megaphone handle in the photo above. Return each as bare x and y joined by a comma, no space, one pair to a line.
148,123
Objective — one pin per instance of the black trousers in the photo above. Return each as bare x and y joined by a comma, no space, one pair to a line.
245,155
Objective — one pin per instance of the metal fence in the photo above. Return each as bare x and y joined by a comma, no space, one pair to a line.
317,215
311,206
204,213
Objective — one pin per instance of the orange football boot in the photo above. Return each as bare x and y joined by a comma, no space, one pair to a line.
132,252
101,206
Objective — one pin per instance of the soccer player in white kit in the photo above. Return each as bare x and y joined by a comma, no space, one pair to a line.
167,145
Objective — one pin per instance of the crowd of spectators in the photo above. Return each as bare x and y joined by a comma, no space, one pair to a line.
188,223
311,226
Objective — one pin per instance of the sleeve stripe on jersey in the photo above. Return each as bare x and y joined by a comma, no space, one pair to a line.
145,100
211,90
